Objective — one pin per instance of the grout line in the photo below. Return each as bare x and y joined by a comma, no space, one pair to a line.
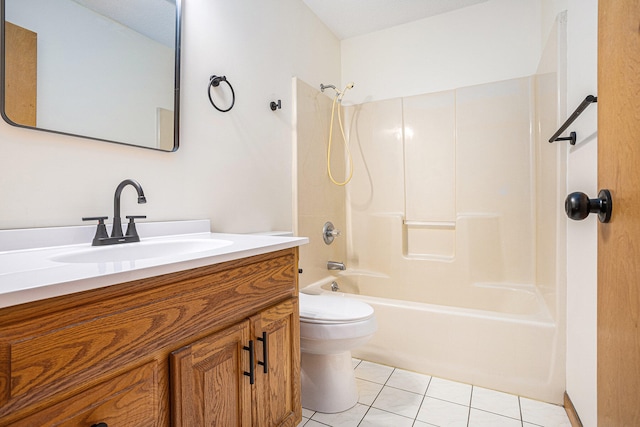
469,407
424,396
520,408
364,416
374,399
497,413
388,412
398,388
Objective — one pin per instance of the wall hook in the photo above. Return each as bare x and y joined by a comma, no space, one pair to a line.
275,106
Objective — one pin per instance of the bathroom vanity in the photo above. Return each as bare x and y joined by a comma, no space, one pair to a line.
213,342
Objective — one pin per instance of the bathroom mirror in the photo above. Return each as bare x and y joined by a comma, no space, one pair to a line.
105,70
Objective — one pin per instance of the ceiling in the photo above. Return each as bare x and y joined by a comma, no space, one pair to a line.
349,18
153,18
345,18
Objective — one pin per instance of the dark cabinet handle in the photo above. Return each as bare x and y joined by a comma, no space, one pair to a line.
265,352
251,374
578,206
100,425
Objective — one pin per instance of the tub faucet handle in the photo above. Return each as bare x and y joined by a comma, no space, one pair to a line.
329,232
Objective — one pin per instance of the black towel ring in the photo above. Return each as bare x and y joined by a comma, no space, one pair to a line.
214,81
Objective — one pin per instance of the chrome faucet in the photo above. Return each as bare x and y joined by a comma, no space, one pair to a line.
335,265
102,237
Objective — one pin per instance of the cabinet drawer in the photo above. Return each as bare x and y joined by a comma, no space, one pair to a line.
130,399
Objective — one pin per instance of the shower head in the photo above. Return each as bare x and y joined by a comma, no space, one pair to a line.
339,94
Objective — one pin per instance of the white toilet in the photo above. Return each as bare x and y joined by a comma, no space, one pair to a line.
330,326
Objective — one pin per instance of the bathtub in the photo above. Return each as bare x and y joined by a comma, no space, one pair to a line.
495,336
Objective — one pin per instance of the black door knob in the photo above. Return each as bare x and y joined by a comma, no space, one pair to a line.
578,206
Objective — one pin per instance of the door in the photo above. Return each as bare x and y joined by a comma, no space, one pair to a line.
209,385
619,240
20,74
277,397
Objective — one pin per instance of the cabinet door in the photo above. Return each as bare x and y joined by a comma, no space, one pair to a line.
277,391
209,384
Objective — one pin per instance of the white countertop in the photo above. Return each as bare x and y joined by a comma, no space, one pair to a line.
29,272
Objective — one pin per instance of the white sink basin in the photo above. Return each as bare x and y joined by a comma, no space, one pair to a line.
141,250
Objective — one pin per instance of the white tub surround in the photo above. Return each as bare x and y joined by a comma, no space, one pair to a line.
43,263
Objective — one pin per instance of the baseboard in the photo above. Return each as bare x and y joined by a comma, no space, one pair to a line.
571,411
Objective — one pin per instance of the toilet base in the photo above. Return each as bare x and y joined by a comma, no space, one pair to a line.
328,382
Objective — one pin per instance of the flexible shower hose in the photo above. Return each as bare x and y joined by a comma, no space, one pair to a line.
338,99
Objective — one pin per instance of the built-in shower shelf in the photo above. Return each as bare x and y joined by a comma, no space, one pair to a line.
429,240
431,224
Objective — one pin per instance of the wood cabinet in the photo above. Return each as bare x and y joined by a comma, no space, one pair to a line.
241,376
168,350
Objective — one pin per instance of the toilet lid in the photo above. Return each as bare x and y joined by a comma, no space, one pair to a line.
324,308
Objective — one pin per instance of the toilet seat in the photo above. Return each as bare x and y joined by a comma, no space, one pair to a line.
324,317
323,309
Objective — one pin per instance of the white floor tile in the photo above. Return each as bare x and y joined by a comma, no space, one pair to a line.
478,418
543,414
450,391
355,362
348,418
410,381
307,413
373,372
378,418
399,402
442,413
496,402
394,397
367,391
312,423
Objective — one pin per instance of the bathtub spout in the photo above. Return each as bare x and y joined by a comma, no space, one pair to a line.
335,265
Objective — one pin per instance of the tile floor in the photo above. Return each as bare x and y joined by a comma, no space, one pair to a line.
392,397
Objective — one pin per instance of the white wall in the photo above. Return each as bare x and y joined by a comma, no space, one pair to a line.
582,42
491,41
232,168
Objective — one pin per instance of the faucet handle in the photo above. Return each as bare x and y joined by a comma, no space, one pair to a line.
101,232
131,227
329,232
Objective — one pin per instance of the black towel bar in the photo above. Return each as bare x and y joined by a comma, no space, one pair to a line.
584,104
